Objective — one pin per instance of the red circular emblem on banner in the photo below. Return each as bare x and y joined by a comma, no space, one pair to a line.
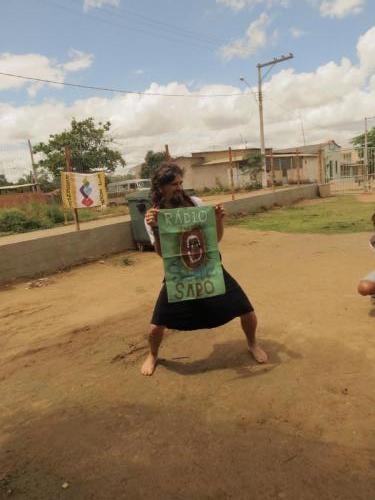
193,248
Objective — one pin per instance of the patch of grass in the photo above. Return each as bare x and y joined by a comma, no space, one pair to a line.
85,214
114,211
341,214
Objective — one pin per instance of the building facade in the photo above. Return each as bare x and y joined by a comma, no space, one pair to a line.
312,163
213,169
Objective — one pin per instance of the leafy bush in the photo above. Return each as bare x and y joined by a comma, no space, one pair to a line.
16,221
252,186
29,217
55,213
42,216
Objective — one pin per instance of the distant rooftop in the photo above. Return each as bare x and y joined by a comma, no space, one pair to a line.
311,148
215,151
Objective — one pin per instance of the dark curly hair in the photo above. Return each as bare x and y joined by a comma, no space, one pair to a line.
165,174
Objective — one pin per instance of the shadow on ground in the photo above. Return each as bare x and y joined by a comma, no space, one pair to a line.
232,355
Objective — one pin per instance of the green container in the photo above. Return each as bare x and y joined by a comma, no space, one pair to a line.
138,203
190,192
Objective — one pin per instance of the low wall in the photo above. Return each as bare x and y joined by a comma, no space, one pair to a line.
280,197
51,253
48,254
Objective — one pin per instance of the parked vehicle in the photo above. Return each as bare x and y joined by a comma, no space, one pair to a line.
118,191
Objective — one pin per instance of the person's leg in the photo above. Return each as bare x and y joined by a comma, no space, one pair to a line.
366,287
249,325
155,337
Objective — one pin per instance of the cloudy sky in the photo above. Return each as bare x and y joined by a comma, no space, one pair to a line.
184,59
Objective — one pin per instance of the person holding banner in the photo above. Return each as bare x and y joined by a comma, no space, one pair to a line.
367,284
178,312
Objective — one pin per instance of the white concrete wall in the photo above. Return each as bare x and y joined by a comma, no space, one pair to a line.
48,254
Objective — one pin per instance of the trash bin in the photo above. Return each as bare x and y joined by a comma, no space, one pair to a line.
190,191
138,203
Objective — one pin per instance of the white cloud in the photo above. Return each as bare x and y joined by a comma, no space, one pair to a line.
366,50
341,8
332,101
241,4
297,32
138,72
254,39
78,61
96,4
39,66
26,64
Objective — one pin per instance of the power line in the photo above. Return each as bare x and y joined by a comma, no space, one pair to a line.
137,92
175,37
119,91
149,20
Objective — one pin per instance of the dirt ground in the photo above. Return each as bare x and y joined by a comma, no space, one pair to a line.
78,421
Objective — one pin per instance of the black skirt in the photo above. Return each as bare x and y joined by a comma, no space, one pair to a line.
198,314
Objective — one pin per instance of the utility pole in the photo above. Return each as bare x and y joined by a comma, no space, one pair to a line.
231,172
35,178
303,130
167,155
365,153
69,168
274,61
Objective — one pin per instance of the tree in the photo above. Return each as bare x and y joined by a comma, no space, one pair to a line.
253,166
4,181
151,163
359,140
25,179
90,145
47,182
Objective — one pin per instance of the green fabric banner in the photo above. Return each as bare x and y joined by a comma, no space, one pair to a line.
190,253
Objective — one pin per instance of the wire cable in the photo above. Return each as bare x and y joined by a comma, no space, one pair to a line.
119,91
174,37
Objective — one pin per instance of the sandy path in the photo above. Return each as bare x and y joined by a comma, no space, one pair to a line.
210,423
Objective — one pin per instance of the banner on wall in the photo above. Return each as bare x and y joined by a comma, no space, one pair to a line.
192,264
83,190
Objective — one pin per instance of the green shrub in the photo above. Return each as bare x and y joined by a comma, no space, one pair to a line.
16,221
252,186
43,216
55,213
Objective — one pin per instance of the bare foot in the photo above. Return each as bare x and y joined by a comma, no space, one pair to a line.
258,354
149,365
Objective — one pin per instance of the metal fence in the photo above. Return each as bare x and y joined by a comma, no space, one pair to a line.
356,172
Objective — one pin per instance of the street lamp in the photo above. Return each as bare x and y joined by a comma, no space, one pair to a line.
243,79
